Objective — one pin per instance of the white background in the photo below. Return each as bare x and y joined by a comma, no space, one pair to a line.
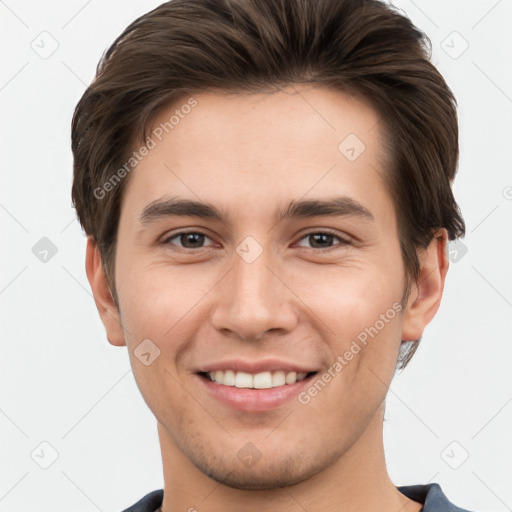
62,383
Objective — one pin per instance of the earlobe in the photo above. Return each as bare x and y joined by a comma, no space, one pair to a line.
105,304
426,294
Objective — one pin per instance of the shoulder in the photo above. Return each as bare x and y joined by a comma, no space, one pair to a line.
432,497
149,503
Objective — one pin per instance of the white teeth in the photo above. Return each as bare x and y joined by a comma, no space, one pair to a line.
243,380
291,377
278,379
229,378
263,380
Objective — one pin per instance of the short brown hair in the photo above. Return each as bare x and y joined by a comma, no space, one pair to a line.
361,47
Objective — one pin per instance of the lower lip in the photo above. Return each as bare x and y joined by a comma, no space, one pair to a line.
253,400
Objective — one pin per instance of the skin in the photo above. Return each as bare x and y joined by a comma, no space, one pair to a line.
251,154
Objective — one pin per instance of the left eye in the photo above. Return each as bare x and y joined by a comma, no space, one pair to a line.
321,239
195,240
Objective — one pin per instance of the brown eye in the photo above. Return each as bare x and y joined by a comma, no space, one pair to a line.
323,240
188,240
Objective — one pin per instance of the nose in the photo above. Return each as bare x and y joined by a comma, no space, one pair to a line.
253,299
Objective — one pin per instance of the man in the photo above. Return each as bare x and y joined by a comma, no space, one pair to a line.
266,190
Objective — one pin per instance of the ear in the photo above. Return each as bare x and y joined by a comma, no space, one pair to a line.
425,296
107,308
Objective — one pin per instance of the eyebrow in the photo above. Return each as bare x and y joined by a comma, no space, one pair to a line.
340,206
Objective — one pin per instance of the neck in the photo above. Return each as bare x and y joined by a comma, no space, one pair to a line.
356,481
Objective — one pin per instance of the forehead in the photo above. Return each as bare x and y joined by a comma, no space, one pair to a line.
321,115
266,148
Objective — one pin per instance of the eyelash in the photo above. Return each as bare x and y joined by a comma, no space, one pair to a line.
343,242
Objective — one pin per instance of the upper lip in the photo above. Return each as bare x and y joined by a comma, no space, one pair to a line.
254,367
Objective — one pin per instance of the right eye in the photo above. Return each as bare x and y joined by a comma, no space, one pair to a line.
188,239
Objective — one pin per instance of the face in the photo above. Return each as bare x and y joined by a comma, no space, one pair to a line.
262,332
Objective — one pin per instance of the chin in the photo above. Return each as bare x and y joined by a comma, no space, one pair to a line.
282,471
262,479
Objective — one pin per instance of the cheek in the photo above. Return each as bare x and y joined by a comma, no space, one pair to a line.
360,312
349,298
157,316
157,302
341,301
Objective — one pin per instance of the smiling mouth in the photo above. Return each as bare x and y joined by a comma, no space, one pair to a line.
262,380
